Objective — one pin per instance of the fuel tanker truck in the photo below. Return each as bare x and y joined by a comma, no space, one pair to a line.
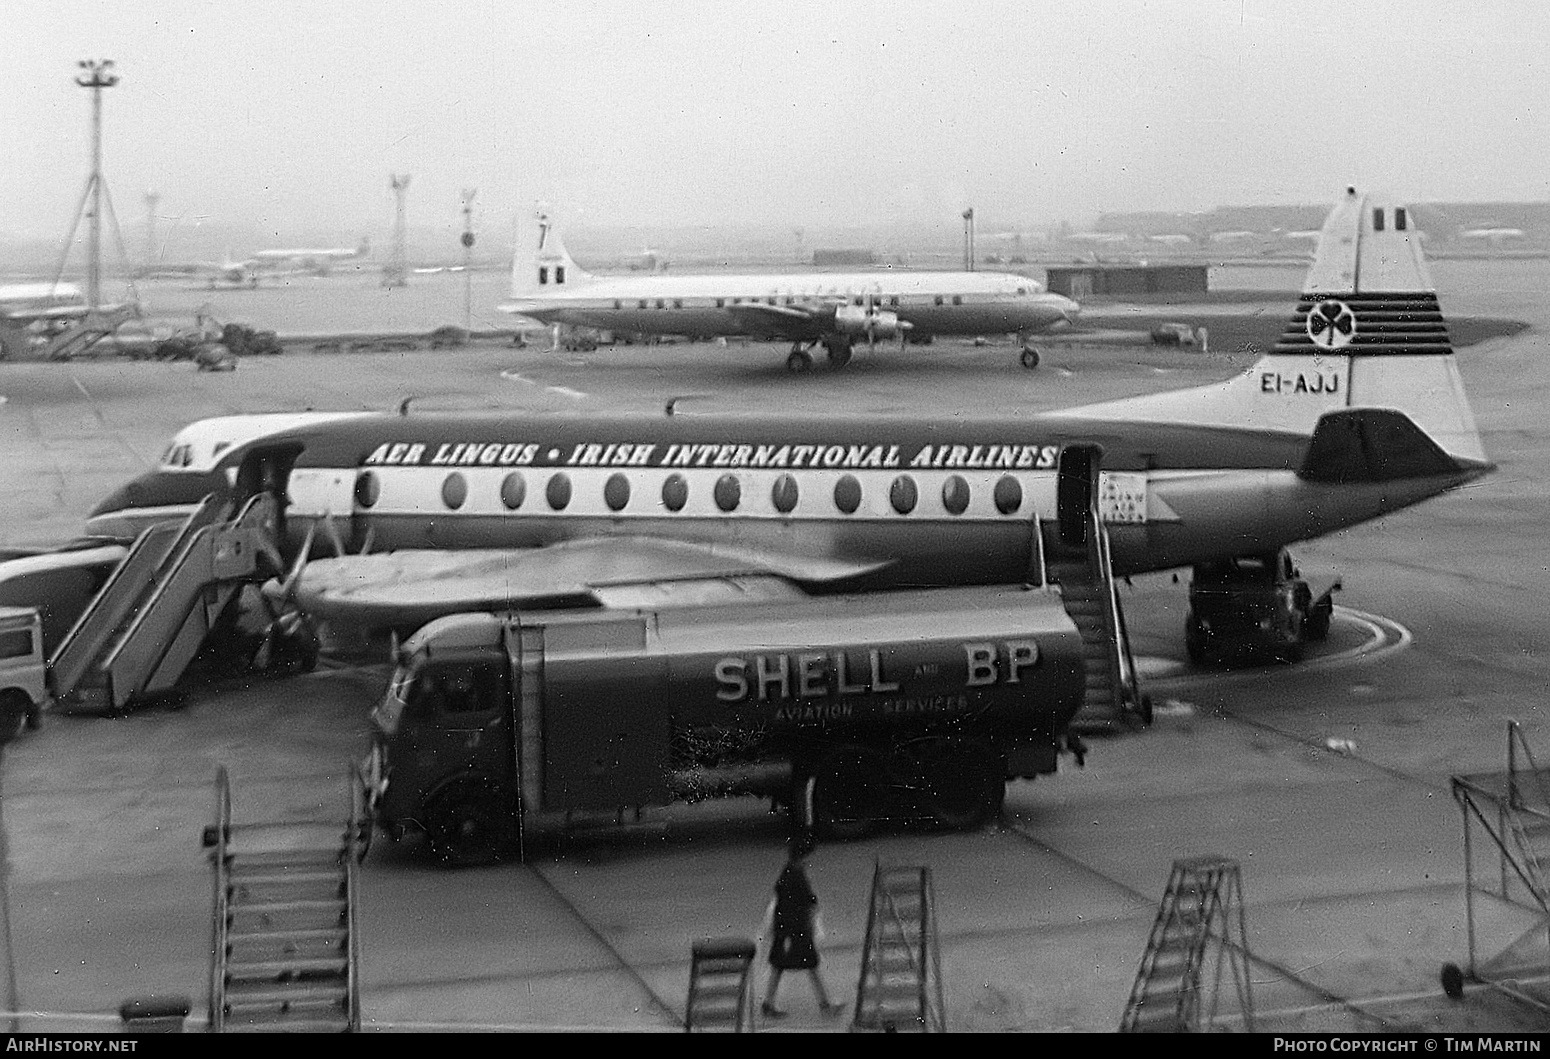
848,710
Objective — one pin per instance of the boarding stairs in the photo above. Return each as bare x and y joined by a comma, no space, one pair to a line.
1199,929
149,620
720,985
1112,699
901,971
284,949
1512,808
78,339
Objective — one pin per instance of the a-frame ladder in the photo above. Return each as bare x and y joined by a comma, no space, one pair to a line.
1200,923
901,969
720,985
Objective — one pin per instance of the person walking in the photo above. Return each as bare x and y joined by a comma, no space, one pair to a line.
793,930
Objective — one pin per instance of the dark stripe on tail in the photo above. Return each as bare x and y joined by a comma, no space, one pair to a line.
1372,445
1366,324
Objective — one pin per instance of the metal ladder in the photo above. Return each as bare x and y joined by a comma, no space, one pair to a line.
285,945
720,985
1202,908
901,971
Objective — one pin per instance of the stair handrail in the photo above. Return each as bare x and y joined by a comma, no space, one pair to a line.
1122,665
183,547
218,838
352,855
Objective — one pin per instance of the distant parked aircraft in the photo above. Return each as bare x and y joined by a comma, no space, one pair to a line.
805,308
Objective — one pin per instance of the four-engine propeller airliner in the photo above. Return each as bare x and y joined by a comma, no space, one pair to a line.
836,309
1357,412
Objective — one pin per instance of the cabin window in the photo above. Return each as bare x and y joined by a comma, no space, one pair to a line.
721,303
957,299
1377,220
1022,290
543,274
661,303
675,492
618,304
1008,495
616,492
454,490
903,494
678,303
955,495
858,300
641,304
770,300
737,301
847,494
559,273
728,492
513,491
789,299
557,492
368,487
16,644
938,299
893,299
458,688
1400,220
784,494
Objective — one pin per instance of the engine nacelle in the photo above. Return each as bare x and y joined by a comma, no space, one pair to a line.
875,323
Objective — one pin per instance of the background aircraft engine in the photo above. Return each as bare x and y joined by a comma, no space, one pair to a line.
873,323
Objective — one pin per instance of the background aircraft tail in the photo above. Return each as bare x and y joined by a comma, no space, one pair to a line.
1367,332
541,263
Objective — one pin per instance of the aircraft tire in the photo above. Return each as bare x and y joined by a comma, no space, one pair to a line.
1030,357
464,822
800,362
839,356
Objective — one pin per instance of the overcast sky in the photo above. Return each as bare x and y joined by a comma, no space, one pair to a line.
290,116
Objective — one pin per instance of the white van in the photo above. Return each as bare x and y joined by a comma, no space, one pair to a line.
23,672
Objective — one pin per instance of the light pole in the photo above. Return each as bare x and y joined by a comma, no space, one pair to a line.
99,75
468,253
968,239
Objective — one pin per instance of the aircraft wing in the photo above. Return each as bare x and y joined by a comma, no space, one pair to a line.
411,587
778,321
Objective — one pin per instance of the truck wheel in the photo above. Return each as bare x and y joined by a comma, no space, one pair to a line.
849,793
1195,639
465,824
1316,627
14,709
964,783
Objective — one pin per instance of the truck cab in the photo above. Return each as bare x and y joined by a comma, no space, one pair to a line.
1254,605
23,671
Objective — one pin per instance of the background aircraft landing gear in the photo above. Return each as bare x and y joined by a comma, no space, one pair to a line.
800,362
1030,357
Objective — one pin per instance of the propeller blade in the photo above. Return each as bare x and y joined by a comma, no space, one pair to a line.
288,586
333,534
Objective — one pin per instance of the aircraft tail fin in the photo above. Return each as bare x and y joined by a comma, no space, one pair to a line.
1367,332
541,262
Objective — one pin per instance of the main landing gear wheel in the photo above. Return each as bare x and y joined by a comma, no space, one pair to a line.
1030,357
800,362
14,716
465,824
839,355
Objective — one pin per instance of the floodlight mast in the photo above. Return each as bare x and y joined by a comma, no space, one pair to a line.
97,76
